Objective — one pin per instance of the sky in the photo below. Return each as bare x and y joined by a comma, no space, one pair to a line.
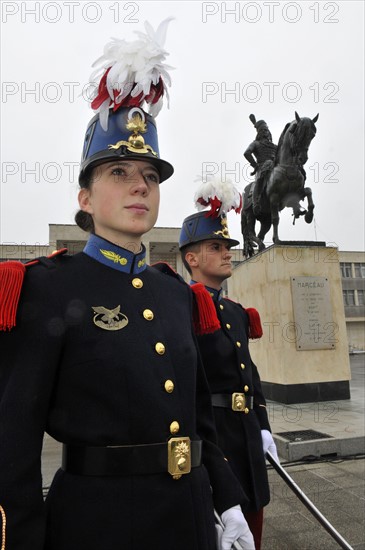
230,59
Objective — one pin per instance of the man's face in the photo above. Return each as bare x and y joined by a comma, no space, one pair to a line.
265,134
123,200
211,263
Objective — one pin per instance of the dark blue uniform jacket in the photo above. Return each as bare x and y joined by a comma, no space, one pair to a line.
83,385
229,369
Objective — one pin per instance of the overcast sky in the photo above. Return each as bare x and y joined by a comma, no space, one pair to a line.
231,59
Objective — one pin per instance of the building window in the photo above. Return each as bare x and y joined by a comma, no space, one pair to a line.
360,270
346,270
349,297
360,297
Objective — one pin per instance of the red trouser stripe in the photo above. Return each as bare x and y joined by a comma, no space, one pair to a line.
255,522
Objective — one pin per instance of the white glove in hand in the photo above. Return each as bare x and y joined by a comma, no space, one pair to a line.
235,529
268,444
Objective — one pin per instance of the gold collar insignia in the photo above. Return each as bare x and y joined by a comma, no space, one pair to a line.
114,257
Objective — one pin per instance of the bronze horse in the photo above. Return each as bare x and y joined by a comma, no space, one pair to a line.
284,187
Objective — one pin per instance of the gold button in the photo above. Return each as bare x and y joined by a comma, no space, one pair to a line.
160,348
169,386
174,427
228,326
247,410
246,388
137,283
148,314
238,344
221,307
243,366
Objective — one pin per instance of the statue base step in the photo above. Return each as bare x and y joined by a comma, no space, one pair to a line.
301,243
306,393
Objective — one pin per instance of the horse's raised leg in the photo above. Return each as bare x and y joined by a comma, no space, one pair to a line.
274,207
248,232
265,226
250,240
309,214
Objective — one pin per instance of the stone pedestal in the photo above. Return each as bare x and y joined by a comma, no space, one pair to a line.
303,355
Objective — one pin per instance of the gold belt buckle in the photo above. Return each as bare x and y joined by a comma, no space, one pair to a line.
238,402
179,456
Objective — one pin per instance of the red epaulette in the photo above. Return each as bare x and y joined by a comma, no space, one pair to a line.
11,282
255,327
205,317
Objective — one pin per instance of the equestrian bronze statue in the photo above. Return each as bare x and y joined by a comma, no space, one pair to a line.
279,182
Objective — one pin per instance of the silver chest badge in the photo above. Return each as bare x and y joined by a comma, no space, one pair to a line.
109,319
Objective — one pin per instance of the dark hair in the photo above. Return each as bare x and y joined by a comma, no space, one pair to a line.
194,247
83,219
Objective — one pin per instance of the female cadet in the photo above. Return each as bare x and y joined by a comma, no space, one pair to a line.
103,358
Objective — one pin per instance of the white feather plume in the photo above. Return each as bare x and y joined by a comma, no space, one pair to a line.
213,190
134,67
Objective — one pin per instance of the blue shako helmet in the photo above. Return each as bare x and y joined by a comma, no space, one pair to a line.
131,134
203,227
128,75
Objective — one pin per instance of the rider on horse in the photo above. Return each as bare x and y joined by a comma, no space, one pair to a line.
263,162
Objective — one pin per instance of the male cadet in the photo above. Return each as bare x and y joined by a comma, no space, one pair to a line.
223,328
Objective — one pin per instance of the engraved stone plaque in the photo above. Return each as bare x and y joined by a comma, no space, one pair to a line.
314,327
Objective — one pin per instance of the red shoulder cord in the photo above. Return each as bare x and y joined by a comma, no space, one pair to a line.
204,314
11,282
254,322
255,327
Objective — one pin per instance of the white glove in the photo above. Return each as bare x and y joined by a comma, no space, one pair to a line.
268,444
235,529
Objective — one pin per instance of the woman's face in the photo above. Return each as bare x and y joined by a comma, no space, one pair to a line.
123,200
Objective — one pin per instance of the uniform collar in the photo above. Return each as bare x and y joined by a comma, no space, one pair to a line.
114,256
215,294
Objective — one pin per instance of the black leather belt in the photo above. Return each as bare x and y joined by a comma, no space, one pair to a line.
128,459
238,402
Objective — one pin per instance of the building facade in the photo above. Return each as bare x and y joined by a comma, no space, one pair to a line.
162,246
352,265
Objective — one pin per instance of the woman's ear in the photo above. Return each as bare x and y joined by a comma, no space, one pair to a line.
84,201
